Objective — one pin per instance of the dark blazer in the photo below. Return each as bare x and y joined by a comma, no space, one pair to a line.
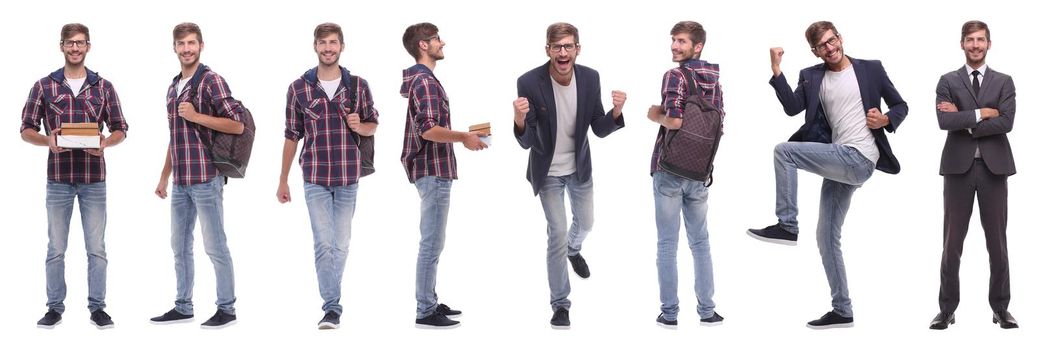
874,84
967,135
539,134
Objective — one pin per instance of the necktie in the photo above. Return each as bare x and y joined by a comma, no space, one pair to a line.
976,84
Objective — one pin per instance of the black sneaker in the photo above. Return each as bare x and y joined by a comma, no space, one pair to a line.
663,322
712,321
220,320
436,320
774,234
50,319
832,320
447,311
171,317
101,320
330,321
561,319
579,265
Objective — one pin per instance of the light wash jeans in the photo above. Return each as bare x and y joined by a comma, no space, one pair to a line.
844,170
206,202
331,213
92,212
561,241
674,195
435,193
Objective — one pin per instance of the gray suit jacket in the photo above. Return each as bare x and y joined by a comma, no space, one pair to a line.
990,135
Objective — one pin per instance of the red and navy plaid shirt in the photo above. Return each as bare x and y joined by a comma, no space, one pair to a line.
51,102
190,158
427,107
330,156
674,90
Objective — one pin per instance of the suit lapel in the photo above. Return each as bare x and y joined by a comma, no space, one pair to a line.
863,78
815,87
581,90
990,79
965,79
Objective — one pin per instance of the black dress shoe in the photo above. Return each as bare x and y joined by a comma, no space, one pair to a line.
1005,320
943,320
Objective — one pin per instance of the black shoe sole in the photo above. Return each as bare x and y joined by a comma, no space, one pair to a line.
771,240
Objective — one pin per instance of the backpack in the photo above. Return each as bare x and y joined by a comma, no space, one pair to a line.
228,152
365,144
689,151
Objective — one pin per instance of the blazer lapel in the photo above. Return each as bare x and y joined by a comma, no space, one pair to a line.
582,88
815,81
965,79
863,78
549,97
991,78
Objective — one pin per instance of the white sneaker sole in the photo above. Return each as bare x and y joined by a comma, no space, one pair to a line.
48,327
667,326
426,326
830,326
327,325
225,325
102,327
711,324
454,317
562,328
186,320
771,240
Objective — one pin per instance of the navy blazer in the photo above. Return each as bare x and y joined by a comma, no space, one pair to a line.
539,134
874,84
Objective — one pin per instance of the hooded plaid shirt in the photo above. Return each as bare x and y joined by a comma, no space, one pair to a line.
674,90
427,107
190,158
51,102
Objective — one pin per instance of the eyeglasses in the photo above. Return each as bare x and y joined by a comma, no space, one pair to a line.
556,48
74,43
435,37
832,42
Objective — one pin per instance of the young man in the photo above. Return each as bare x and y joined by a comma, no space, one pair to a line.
976,104
429,161
566,102
675,195
324,110
74,94
197,184
842,140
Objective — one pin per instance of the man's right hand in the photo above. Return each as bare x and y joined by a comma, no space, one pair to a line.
283,193
472,141
776,53
52,142
520,108
160,190
989,113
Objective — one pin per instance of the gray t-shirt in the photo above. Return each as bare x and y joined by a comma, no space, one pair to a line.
842,103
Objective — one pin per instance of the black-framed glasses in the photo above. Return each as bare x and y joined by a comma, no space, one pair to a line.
556,48
435,37
832,42
75,43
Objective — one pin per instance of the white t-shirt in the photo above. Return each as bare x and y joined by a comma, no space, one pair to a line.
76,84
842,103
330,87
563,160
181,84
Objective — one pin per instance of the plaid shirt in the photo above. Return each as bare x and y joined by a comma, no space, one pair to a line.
330,156
675,89
427,107
52,102
190,158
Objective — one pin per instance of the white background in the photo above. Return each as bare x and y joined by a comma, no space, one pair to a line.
493,266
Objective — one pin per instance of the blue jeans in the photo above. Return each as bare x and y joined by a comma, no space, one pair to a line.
331,213
92,212
563,242
206,202
844,170
674,195
435,193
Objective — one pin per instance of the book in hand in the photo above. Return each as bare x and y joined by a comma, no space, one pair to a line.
79,136
484,129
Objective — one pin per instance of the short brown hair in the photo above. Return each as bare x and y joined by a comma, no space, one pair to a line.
560,30
694,29
973,26
416,33
326,29
182,30
815,32
68,30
